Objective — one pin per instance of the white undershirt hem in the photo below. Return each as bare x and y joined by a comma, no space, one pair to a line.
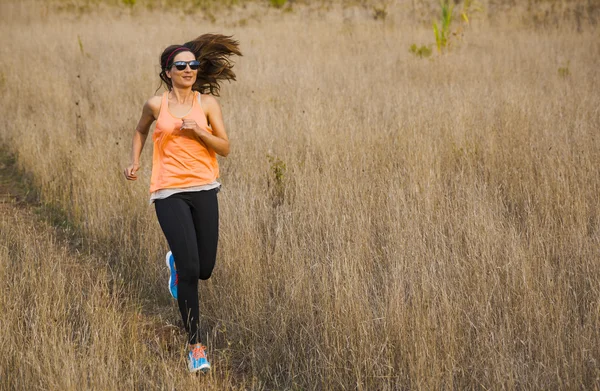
164,193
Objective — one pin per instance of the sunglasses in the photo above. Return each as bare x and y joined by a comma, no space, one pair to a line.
181,65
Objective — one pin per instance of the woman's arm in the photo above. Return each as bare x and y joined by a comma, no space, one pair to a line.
218,140
149,113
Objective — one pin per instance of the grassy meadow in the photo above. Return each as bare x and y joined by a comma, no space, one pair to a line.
387,221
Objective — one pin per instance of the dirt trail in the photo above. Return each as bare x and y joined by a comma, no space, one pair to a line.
12,190
96,334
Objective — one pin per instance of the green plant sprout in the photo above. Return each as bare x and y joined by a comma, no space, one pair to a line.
380,13
276,180
564,71
423,51
442,32
278,3
470,7
80,44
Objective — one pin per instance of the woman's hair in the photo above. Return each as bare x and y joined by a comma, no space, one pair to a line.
213,52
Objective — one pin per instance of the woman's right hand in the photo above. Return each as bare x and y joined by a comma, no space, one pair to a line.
130,172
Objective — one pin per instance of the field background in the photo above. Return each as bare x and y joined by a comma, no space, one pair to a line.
387,221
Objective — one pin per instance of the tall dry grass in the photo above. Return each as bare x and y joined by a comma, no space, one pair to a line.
429,223
68,322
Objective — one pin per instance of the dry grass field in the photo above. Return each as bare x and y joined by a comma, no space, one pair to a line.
387,221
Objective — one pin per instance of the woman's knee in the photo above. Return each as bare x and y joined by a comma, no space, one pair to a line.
188,271
206,271
206,268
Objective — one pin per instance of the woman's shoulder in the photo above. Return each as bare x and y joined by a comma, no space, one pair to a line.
208,101
153,105
154,102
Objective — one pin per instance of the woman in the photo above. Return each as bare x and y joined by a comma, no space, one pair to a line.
189,133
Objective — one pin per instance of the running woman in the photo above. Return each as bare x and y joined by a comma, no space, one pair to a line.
189,133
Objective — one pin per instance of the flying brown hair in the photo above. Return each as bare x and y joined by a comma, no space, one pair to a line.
213,52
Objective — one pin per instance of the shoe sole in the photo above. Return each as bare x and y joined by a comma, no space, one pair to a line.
170,272
203,368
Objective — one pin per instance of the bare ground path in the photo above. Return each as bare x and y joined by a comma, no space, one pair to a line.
69,321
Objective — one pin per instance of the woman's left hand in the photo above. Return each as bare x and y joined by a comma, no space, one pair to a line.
193,125
213,137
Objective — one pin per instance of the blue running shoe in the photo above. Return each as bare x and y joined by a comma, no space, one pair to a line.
173,276
197,359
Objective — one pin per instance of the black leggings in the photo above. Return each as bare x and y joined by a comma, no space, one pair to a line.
190,222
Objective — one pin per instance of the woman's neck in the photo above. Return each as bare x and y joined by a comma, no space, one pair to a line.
182,95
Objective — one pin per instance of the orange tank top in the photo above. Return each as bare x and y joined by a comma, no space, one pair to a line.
180,158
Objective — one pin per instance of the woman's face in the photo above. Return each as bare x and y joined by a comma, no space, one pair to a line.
185,78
